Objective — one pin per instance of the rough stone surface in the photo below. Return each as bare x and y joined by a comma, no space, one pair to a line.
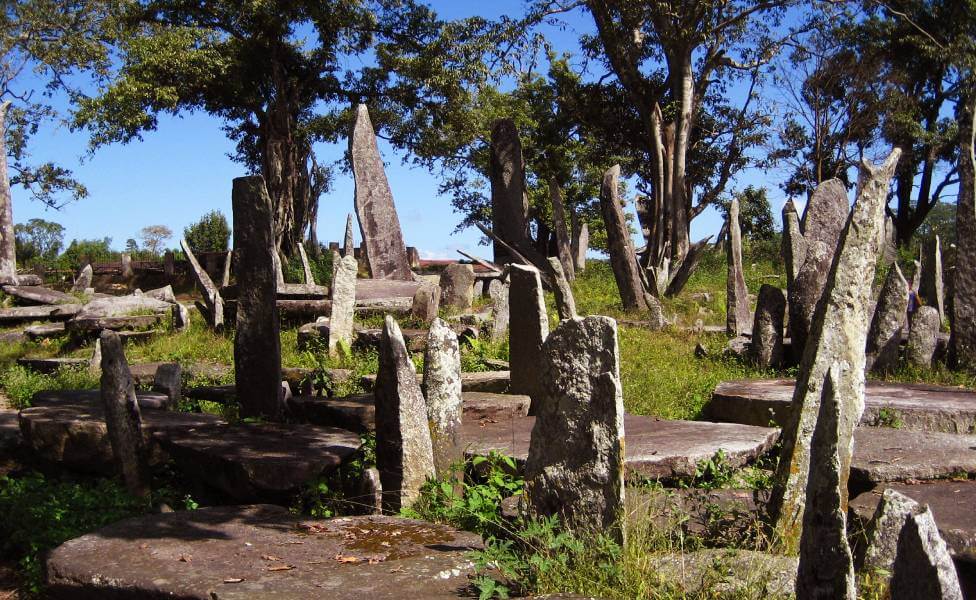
442,389
884,337
922,337
211,296
963,342
740,572
581,244
575,464
343,304
45,331
794,246
83,281
496,382
767,327
168,379
564,242
35,294
457,286
257,347
426,302
180,317
228,260
234,553
382,289
123,419
84,325
310,335
306,267
509,203
738,315
498,292
622,256
163,294
565,302
378,220
883,454
931,286
404,455
923,567
31,313
529,327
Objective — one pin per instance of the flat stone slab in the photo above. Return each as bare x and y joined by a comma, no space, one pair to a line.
884,454
371,289
495,382
653,448
267,460
302,291
18,314
35,294
952,504
910,406
489,407
50,365
96,324
245,552
45,331
149,400
74,434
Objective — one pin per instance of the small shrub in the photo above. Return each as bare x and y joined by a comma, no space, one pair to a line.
210,234
21,383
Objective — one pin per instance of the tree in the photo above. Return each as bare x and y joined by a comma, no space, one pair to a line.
38,240
153,236
755,214
131,246
210,234
81,252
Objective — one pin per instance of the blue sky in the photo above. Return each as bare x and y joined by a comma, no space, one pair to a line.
181,171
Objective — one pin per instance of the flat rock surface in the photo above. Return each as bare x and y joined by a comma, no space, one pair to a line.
45,330
910,406
495,382
952,504
146,399
884,454
372,289
35,294
653,448
262,551
31,313
260,460
50,365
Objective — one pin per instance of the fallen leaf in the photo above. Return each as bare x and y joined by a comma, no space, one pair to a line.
346,559
234,580
270,557
185,558
281,568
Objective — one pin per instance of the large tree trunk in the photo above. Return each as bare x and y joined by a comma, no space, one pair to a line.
285,170
8,250
683,89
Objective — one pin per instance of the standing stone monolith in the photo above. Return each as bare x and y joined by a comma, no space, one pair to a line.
623,259
822,224
127,271
343,304
169,263
279,270
738,319
257,346
122,417
225,280
180,317
838,335
509,202
826,568
767,328
884,337
8,249
889,243
528,329
378,220
84,280
500,312
306,267
169,380
581,243
575,464
348,244
923,567
565,302
794,246
931,287
404,455
211,296
442,389
962,342
426,302
457,286
923,337
564,242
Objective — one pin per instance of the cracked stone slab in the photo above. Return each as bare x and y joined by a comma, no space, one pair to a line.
263,551
884,454
653,448
911,406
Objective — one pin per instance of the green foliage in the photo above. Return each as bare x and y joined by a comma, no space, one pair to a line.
477,352
320,263
79,252
20,383
338,492
755,214
890,417
210,234
38,240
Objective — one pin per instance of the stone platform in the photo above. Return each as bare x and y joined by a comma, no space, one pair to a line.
495,382
147,400
909,406
9,428
230,553
654,448
883,454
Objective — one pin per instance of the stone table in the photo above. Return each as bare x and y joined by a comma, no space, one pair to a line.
884,454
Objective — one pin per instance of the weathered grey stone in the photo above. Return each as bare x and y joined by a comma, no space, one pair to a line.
529,327
45,331
564,242
127,272
84,280
823,221
58,312
404,455
622,256
378,220
916,275
180,317
343,304
677,281
837,336
931,287
442,389
767,327
738,317
565,303
279,271
575,466
889,243
225,280
169,380
457,286
794,246
257,346
122,417
884,337
169,263
35,294
498,291
922,337
581,244
884,529
163,294
883,454
426,302
923,567
725,572
211,296
509,203
962,344
306,267
310,335
348,244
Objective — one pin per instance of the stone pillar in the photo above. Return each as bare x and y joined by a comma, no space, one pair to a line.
257,347
738,316
931,286
457,286
404,455
442,389
426,302
180,317
922,337
767,329
581,245
169,264
622,256
529,327
575,465
84,280
343,303
413,257
169,380
211,297
794,246
127,272
122,417
923,567
225,280
963,340
306,267
378,220
509,203
565,302
884,337
564,241
348,245
498,292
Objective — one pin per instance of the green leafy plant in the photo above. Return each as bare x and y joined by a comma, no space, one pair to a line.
21,383
890,417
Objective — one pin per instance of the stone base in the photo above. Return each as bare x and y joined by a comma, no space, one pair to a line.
882,454
495,382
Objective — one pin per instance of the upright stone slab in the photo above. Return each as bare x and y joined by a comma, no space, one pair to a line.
581,243
922,337
180,317
931,287
509,203
122,417
127,272
838,336
404,455
211,297
343,303
564,242
884,529
923,566
426,302
823,221
622,256
962,343
767,328
348,245
378,220
306,267
528,329
84,280
257,347
884,337
500,313
169,263
457,286
565,303
228,259
738,316
794,246
575,464
168,379
442,389
889,243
